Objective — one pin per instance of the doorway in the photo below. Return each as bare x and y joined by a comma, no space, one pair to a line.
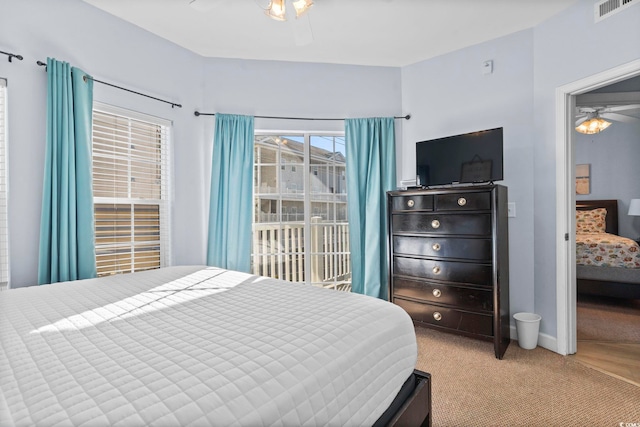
565,198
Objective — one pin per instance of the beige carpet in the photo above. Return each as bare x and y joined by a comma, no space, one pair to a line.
527,388
608,319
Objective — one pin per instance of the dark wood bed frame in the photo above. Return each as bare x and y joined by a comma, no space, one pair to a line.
416,410
607,288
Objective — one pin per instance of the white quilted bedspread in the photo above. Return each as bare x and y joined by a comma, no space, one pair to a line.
198,346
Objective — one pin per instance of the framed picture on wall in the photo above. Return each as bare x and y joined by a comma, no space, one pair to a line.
583,179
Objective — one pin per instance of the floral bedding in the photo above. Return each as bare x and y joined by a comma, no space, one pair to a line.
606,250
591,221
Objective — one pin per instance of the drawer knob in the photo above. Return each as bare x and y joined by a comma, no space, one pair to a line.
462,201
437,293
437,316
436,270
435,223
436,247
410,203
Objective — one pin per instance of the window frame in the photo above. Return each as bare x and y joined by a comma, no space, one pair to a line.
5,282
308,169
163,203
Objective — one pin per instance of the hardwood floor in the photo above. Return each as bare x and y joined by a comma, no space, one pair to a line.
619,360
608,336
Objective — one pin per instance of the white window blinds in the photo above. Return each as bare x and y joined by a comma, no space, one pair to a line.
131,190
4,227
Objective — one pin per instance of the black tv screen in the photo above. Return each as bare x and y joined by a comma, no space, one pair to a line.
467,158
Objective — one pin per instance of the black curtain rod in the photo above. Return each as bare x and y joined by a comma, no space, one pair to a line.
173,104
197,113
12,55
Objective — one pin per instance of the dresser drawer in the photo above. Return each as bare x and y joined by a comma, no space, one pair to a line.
414,202
467,224
463,201
450,271
458,320
444,247
465,298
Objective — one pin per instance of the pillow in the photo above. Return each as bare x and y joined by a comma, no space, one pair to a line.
591,221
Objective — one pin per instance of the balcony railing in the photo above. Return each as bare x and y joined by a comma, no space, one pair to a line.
279,252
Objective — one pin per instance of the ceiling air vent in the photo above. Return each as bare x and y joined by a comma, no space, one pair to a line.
605,8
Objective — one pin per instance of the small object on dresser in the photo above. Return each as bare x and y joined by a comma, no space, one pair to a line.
407,184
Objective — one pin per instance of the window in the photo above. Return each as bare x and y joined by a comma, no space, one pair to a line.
300,228
130,190
4,227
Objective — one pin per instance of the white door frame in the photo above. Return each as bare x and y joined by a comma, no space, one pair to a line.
565,197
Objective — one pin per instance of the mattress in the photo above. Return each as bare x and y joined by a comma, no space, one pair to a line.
606,250
198,346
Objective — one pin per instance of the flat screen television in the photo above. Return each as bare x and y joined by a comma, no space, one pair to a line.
473,157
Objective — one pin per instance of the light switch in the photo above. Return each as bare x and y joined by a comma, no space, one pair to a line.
511,209
487,67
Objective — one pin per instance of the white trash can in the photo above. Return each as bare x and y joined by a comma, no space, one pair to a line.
527,327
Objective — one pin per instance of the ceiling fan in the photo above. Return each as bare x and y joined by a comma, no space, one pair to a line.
294,11
590,120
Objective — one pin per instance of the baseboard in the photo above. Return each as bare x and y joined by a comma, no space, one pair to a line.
544,340
548,342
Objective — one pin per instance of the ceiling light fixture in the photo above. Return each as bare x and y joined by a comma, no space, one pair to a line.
277,8
593,124
301,6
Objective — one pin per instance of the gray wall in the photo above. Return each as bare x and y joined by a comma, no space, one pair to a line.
110,50
614,155
445,95
449,95
115,51
293,89
559,59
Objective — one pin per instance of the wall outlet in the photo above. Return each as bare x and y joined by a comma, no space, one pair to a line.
511,209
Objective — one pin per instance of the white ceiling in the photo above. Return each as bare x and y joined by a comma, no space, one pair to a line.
362,32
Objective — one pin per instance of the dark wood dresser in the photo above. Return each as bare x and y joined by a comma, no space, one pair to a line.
449,259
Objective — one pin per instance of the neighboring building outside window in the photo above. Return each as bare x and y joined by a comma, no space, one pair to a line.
300,228
4,223
130,190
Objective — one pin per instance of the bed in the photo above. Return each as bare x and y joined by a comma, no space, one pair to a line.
195,345
606,264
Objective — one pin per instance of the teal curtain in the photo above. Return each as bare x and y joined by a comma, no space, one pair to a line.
67,237
371,172
231,204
